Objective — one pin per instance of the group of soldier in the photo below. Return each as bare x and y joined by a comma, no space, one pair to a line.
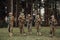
28,19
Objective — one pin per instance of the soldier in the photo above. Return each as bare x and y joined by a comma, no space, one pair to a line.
29,23
53,23
21,22
38,23
10,25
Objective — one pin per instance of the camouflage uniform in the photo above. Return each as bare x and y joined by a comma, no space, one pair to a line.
52,25
10,25
29,23
21,22
37,23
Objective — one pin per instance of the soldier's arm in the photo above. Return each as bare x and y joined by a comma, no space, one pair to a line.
24,17
19,17
56,21
13,18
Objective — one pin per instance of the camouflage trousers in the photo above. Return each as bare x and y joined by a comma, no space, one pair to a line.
29,26
21,28
37,25
52,30
10,29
